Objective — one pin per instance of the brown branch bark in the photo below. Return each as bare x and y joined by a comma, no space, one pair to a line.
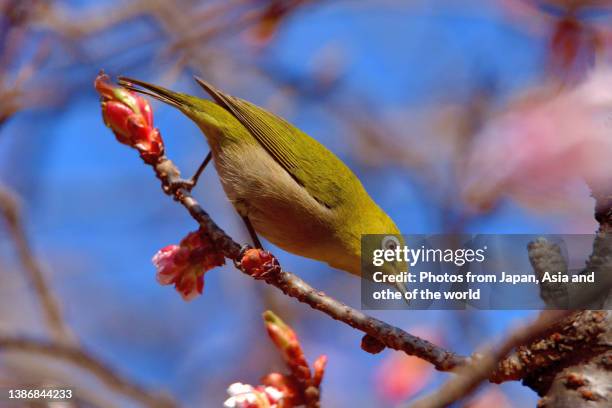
581,332
571,368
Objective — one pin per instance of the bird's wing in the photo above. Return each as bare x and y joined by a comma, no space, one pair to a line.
312,165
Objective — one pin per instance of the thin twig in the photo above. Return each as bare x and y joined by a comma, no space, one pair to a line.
49,305
76,25
84,360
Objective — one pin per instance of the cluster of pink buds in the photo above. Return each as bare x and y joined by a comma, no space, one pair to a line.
130,118
278,390
184,265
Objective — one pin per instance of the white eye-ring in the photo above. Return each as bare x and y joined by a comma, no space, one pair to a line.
390,242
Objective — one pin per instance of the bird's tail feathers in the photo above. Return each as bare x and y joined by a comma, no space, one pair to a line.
176,99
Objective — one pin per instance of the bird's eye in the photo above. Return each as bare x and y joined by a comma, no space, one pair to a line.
390,242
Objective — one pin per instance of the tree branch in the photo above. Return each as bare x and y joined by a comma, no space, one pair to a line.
293,286
582,332
482,367
567,363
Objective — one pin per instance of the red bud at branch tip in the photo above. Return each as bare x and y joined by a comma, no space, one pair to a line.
288,344
130,118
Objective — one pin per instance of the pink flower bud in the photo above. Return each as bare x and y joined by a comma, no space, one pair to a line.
184,265
130,118
287,342
281,334
165,262
258,263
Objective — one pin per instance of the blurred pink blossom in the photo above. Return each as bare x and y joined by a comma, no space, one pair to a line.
400,376
542,149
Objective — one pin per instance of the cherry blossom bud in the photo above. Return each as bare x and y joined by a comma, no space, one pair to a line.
286,341
184,265
298,388
258,263
130,118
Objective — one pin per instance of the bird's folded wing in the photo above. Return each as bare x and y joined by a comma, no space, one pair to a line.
312,165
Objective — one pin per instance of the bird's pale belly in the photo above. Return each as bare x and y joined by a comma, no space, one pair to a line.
279,208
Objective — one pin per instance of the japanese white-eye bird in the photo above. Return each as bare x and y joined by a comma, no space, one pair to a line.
292,189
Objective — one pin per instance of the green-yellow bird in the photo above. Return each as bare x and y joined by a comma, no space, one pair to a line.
292,189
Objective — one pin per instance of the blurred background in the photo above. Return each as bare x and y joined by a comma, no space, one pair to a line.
457,115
